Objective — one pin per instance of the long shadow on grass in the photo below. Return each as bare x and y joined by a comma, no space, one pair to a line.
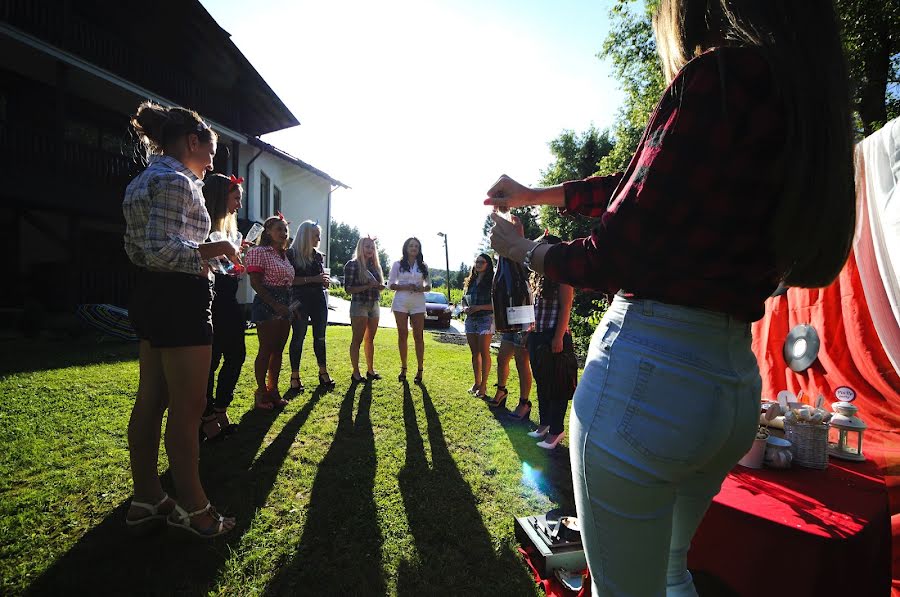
455,551
107,561
340,549
547,471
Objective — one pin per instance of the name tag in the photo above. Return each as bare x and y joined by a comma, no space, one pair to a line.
518,315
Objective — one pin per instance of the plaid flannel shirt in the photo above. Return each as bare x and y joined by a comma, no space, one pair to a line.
480,293
546,311
275,266
352,277
688,222
166,217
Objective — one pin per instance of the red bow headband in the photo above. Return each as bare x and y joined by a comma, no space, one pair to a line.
235,180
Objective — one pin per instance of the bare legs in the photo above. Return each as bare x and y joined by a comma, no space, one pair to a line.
173,378
480,347
417,322
508,350
273,335
364,329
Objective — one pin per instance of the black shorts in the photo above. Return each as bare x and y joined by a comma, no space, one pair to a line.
172,309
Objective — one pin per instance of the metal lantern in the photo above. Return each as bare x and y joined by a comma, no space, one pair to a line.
845,438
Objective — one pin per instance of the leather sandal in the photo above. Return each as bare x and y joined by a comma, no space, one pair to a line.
296,384
224,422
524,415
155,520
209,428
372,375
325,381
181,519
356,378
261,400
498,400
275,399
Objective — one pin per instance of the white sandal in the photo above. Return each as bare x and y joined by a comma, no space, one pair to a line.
181,519
153,520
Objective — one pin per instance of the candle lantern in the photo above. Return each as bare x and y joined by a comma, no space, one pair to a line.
845,438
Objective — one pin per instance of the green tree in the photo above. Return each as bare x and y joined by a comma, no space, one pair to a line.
871,35
342,245
460,276
576,156
343,248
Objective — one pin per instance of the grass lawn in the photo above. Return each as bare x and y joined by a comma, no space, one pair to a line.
381,489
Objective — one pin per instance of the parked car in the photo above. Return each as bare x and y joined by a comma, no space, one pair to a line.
437,310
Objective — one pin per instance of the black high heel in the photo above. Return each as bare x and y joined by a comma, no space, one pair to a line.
355,379
402,376
524,415
418,377
326,381
498,401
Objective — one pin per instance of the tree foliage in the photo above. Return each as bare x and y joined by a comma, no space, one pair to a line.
343,239
871,35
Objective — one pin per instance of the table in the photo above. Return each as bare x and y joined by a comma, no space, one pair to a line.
799,532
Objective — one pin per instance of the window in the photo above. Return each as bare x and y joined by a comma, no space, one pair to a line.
264,186
276,198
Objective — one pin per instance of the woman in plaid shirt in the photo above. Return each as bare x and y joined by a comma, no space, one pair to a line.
271,276
743,179
548,340
364,281
166,227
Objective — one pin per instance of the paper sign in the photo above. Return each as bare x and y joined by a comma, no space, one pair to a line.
520,315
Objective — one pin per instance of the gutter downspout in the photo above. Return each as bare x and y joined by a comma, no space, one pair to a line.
328,212
247,178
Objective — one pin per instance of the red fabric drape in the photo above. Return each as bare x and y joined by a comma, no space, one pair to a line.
851,355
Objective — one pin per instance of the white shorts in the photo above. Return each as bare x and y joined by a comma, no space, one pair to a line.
408,302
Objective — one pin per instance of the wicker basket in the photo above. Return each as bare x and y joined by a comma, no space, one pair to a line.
809,443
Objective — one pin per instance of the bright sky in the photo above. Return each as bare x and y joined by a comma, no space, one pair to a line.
419,105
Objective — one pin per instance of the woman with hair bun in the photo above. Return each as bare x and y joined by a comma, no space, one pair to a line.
167,224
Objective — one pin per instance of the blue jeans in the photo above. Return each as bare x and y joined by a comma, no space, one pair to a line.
667,405
313,307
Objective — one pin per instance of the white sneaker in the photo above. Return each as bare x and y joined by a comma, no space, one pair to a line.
551,444
540,432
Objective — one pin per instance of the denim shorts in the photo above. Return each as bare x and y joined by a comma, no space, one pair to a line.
517,339
261,311
481,325
372,310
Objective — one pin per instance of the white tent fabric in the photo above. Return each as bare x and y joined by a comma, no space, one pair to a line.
877,243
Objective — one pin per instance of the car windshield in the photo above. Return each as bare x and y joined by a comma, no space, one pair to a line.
435,297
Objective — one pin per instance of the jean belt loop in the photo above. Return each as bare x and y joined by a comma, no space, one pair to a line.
647,308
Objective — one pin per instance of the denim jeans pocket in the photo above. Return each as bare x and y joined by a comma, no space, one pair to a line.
675,413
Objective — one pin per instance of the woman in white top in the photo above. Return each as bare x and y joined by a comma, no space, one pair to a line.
409,279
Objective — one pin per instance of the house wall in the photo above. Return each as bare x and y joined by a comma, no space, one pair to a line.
304,196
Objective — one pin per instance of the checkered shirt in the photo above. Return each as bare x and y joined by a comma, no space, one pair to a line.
352,278
274,265
688,221
546,311
166,217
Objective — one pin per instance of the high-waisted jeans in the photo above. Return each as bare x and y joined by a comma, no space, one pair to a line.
668,403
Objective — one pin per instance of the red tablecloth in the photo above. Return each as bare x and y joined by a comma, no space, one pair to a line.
833,526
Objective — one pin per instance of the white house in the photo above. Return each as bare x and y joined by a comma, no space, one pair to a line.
274,181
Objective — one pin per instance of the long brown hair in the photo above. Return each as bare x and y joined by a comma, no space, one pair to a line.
813,227
216,189
473,275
